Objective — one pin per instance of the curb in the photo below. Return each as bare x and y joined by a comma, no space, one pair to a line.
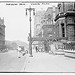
70,57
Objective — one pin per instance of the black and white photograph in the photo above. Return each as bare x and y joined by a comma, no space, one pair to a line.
37,37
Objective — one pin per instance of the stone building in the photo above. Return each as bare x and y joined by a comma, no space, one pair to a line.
44,18
2,34
37,23
49,16
65,21
49,33
48,27
44,22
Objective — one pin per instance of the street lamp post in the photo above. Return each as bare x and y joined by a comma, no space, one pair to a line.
30,36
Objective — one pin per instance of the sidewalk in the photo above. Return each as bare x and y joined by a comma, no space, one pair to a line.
43,62
9,62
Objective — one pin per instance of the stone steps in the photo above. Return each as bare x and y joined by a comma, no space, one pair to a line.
69,53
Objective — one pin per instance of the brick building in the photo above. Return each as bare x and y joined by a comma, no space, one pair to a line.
2,34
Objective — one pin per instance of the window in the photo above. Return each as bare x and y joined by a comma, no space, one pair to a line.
63,30
59,6
74,5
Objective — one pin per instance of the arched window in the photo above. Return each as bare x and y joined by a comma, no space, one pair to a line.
59,6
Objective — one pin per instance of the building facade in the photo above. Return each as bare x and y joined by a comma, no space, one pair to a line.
49,33
44,22
37,23
65,21
49,28
44,18
2,34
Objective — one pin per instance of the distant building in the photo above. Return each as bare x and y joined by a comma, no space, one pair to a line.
44,22
2,34
44,18
49,31
37,22
49,16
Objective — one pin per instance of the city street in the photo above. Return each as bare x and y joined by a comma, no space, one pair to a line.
9,62
40,62
44,30
44,62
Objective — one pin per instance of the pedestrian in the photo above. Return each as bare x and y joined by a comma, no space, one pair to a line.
19,52
50,49
53,48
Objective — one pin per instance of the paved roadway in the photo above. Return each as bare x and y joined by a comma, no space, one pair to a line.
9,62
40,62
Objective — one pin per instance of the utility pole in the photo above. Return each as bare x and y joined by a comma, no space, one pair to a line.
30,35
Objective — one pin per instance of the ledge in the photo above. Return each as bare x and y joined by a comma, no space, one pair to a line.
62,14
70,13
70,53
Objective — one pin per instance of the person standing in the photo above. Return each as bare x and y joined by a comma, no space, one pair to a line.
53,48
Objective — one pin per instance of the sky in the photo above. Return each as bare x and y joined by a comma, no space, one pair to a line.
16,22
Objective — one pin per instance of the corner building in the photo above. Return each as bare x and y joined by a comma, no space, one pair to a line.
65,21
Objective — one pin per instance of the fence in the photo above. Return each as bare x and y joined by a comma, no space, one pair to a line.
70,46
